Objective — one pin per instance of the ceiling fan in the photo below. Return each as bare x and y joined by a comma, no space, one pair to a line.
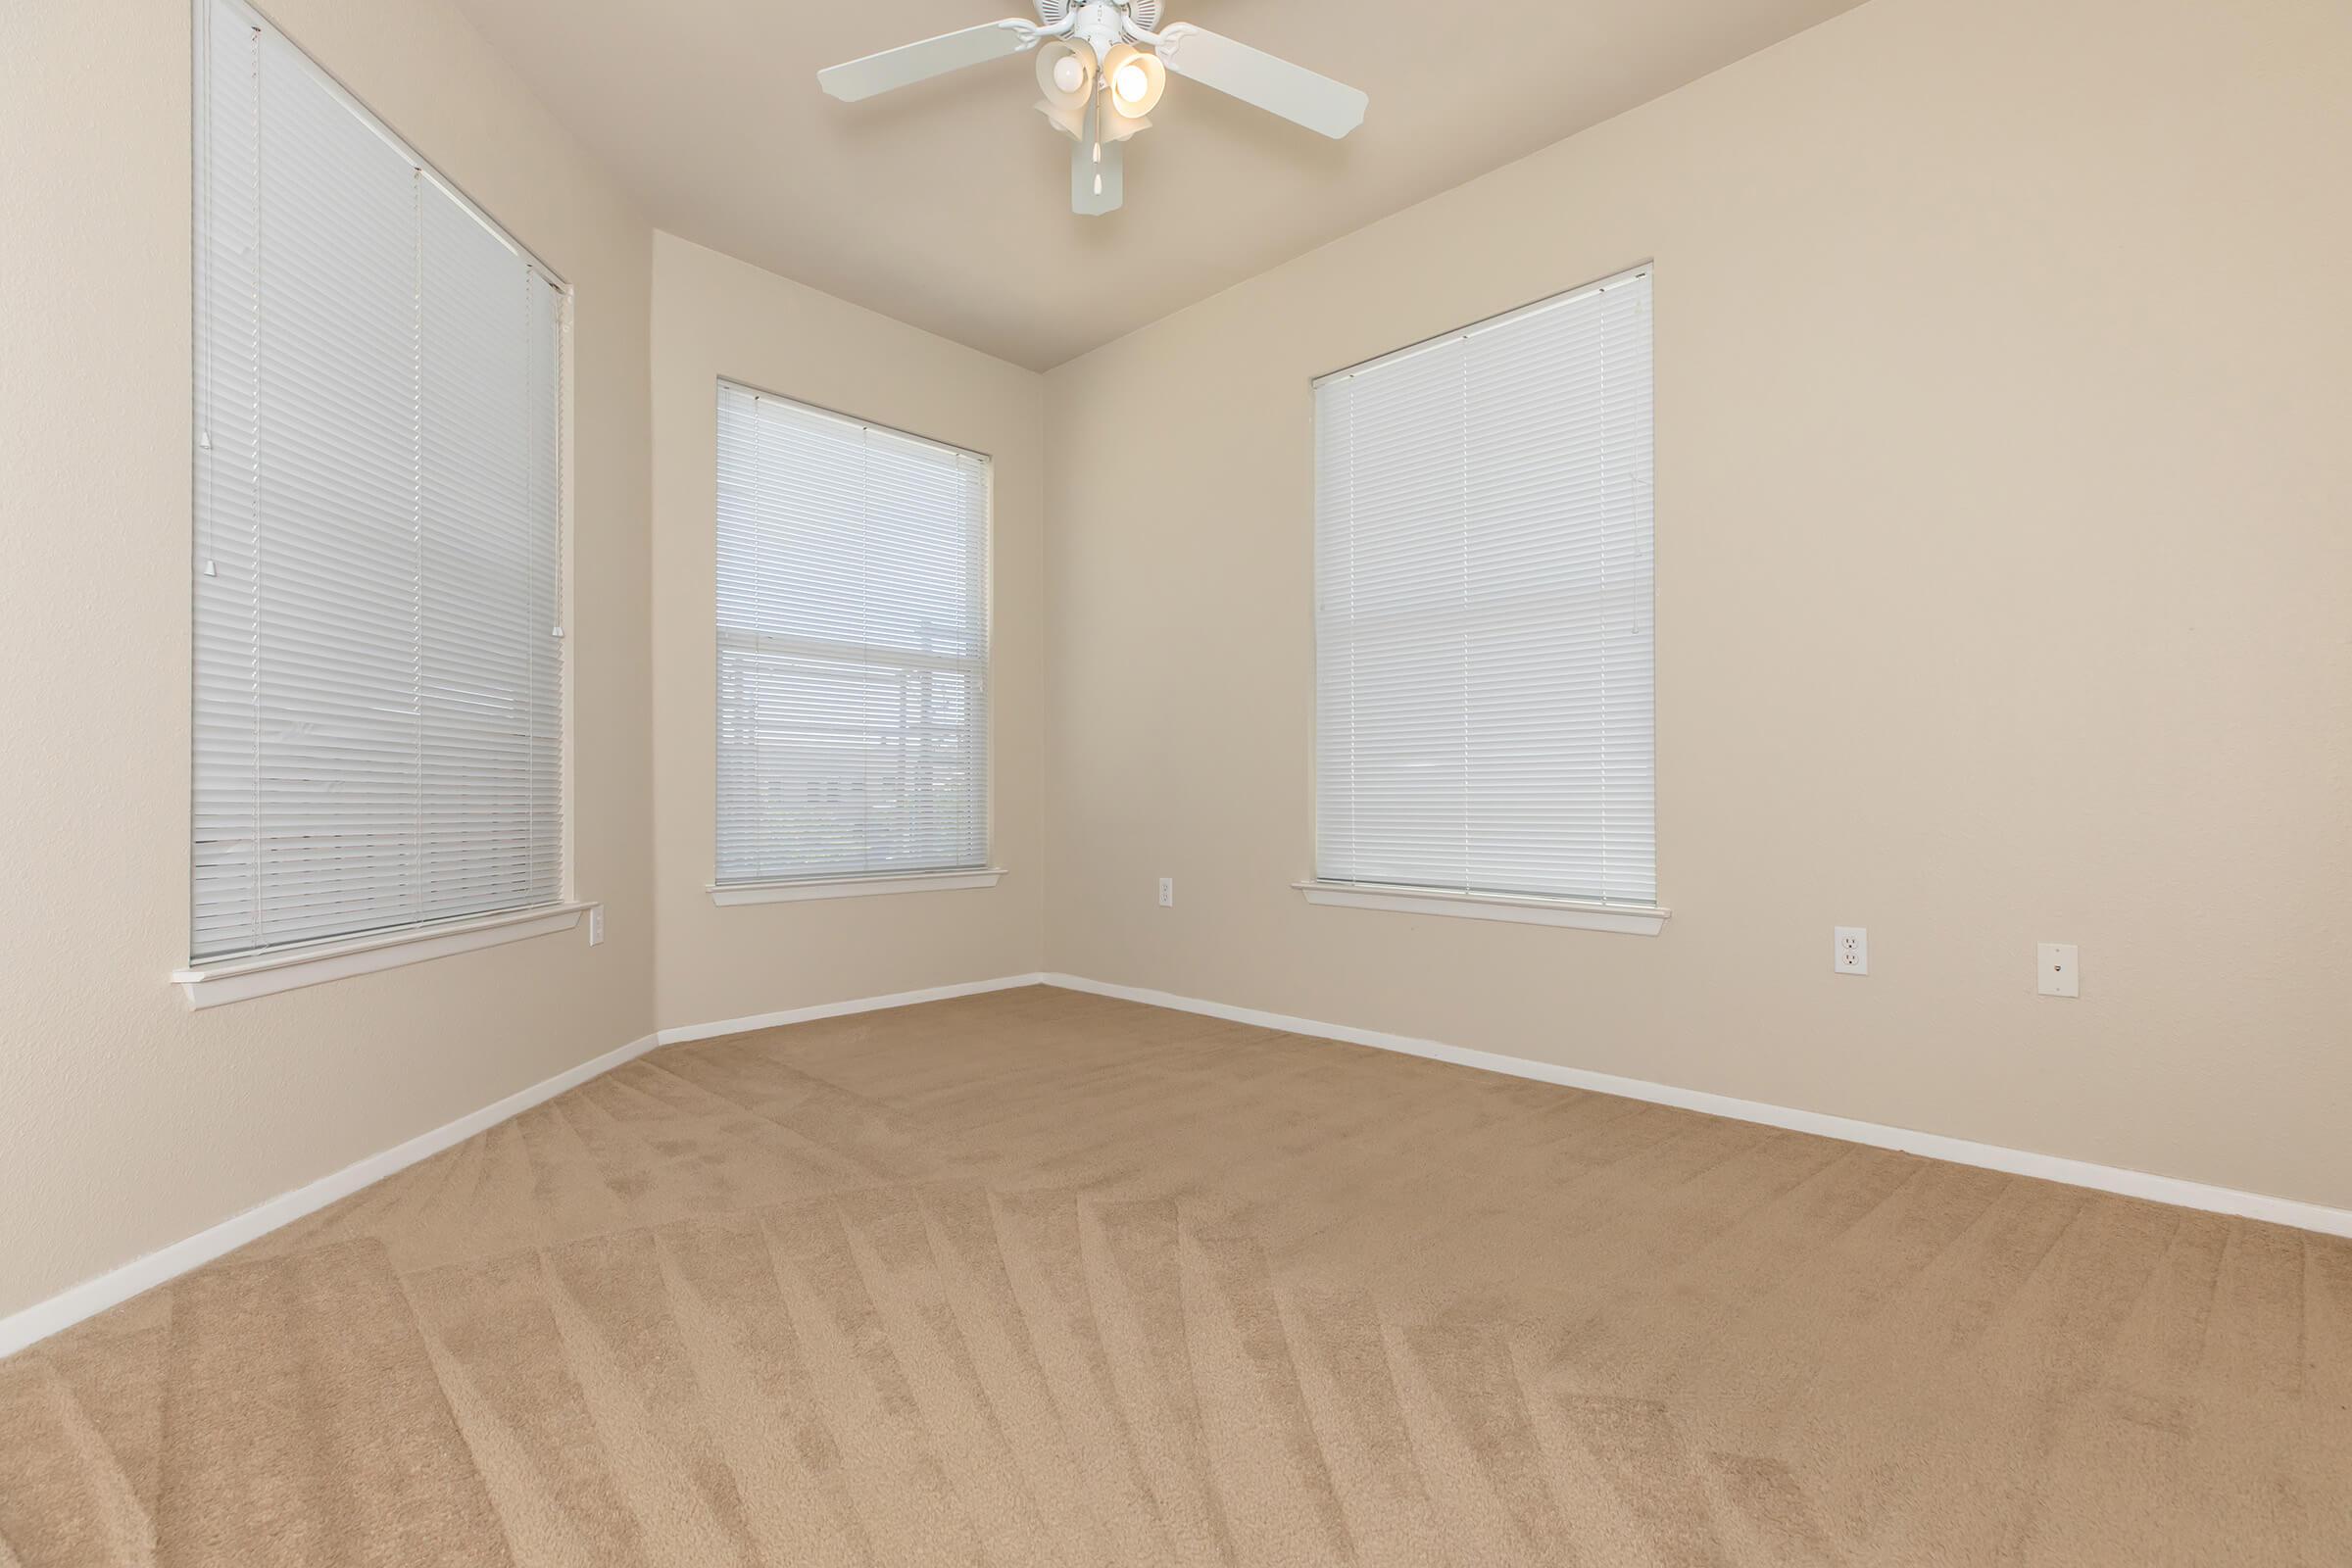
1103,66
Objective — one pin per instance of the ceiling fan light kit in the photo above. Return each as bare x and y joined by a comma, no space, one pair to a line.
1101,66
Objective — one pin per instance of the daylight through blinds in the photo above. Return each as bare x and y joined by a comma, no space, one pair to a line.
853,647
377,563
1483,608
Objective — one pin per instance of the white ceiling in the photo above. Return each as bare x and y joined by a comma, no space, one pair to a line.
947,204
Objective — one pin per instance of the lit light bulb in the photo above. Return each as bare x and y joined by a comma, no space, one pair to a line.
1068,74
1098,184
1131,85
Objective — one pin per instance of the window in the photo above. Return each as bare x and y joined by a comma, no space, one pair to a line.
1483,610
852,647
378,505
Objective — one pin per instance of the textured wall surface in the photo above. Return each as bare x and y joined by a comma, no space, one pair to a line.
2002,585
716,317
126,1121
2002,574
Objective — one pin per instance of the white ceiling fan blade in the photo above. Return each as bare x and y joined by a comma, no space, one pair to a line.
932,56
1087,173
1255,77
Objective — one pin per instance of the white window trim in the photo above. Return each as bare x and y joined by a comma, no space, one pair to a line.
1530,909
1582,915
785,890
724,894
261,974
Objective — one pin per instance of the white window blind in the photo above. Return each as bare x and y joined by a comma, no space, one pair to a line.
1483,608
853,647
379,524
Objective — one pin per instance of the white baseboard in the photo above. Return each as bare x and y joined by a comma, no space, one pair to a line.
92,1296
62,1311
835,1010
1936,1146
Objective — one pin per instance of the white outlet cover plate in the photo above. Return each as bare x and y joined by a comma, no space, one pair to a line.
1850,949
2058,970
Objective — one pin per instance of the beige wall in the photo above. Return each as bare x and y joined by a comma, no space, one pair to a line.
2002,563
126,1121
716,317
2004,575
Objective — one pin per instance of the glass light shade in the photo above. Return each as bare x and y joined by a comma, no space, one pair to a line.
1065,74
1066,107
1137,79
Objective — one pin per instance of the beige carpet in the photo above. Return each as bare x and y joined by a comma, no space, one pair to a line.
1040,1278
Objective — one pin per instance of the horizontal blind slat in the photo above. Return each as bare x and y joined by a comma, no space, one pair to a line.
378,527
852,646
1485,687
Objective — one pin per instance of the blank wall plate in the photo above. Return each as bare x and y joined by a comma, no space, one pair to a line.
2059,969
1849,951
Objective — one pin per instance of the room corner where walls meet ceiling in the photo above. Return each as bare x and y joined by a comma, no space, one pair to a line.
947,204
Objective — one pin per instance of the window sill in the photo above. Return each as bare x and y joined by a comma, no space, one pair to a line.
724,894
1627,919
208,985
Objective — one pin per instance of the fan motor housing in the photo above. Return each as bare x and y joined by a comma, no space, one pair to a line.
1096,24
1101,66
1144,13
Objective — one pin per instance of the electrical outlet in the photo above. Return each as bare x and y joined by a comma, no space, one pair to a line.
1850,949
2059,971
1167,893
596,925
